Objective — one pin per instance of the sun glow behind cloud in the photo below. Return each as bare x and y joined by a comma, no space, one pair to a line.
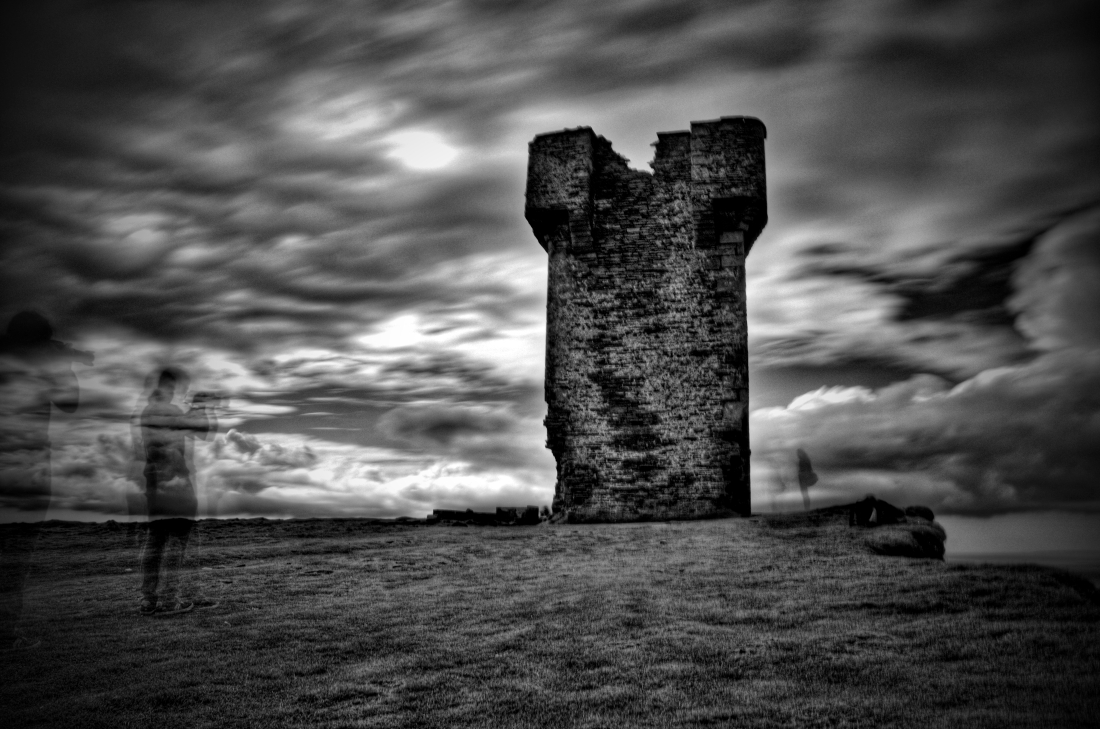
397,333
421,150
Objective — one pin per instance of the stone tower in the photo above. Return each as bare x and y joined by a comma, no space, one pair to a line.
646,358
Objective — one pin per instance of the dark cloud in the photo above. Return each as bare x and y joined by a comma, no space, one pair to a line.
778,386
442,426
977,289
973,286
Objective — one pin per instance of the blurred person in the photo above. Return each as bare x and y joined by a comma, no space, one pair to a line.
162,436
35,376
806,477
779,485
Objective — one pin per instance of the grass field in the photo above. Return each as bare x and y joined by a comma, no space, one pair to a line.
766,622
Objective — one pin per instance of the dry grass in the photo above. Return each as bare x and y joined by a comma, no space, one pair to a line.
769,622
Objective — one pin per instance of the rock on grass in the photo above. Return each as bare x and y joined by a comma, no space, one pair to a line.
916,538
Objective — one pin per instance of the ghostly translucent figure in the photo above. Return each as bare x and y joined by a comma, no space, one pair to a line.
35,375
161,445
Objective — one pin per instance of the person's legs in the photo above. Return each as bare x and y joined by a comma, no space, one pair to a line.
137,505
17,541
151,556
16,553
179,532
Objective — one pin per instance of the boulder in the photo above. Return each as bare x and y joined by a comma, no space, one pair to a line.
922,512
918,539
874,512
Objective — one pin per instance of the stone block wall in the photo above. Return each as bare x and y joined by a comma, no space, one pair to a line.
646,360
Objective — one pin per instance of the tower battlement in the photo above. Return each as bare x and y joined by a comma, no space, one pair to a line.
646,359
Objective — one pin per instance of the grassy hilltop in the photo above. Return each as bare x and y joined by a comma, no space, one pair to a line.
785,621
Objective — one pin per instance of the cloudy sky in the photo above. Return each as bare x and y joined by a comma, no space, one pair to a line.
317,210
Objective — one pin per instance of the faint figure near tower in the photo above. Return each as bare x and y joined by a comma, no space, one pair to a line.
806,477
646,340
35,376
780,484
162,436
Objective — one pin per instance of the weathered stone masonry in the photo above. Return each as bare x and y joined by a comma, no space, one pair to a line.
646,361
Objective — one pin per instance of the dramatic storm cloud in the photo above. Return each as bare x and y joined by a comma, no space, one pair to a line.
318,212
1010,438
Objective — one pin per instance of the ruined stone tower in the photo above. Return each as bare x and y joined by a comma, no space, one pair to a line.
646,360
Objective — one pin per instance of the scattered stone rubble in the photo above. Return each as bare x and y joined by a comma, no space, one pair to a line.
504,516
